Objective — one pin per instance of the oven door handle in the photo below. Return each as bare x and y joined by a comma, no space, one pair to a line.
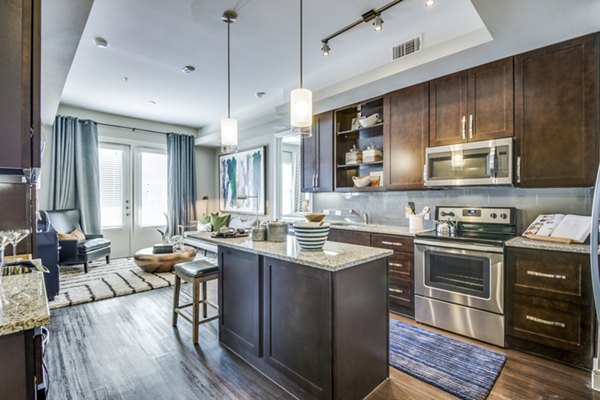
459,246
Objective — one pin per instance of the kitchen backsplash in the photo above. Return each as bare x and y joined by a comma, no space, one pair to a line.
388,208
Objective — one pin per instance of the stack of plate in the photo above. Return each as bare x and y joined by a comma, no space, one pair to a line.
311,235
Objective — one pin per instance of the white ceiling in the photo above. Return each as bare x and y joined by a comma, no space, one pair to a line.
151,40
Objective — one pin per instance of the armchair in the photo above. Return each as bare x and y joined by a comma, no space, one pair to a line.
73,252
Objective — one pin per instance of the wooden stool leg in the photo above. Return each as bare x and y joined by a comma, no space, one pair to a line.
204,301
196,309
176,289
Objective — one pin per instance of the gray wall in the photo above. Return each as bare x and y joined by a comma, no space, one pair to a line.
388,208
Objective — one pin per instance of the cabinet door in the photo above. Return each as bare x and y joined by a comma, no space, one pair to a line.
448,110
15,71
324,130
298,327
309,162
239,301
490,101
556,105
406,133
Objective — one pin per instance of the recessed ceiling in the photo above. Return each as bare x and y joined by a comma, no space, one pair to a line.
150,41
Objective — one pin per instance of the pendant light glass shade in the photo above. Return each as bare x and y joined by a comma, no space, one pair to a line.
229,135
301,108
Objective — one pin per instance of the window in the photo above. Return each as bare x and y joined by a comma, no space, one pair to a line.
290,197
154,186
111,187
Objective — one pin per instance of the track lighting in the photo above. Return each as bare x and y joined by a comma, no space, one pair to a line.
371,15
325,49
429,3
378,23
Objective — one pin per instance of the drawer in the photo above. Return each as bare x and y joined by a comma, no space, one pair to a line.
397,243
401,292
350,237
401,265
547,322
553,275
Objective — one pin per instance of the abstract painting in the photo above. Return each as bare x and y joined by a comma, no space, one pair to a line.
242,174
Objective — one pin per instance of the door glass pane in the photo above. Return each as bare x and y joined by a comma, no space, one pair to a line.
154,189
457,273
111,187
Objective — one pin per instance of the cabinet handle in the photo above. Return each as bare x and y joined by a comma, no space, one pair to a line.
314,180
544,322
399,244
397,291
464,128
317,185
519,169
471,126
543,275
397,265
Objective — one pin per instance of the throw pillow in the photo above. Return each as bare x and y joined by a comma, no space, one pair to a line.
205,220
78,234
66,236
219,221
204,227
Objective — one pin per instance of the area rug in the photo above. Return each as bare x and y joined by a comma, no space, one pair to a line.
119,278
462,369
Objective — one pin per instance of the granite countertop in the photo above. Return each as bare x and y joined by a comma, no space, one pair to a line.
523,242
334,256
383,229
23,303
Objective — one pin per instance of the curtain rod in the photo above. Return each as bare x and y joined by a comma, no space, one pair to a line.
135,129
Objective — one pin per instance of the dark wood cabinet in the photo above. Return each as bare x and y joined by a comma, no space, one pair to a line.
471,105
317,155
239,311
556,114
406,135
21,358
400,272
549,307
20,77
350,237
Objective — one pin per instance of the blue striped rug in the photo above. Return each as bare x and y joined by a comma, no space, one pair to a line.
462,369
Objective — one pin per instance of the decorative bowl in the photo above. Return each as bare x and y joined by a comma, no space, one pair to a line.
361,181
371,120
314,217
311,235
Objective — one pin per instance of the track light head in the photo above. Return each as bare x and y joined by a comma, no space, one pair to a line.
325,49
378,23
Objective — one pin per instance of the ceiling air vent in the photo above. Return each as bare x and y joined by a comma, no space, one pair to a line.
410,46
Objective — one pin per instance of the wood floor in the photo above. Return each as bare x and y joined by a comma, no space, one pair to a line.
125,348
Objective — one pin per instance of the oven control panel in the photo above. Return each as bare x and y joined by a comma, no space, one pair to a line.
482,215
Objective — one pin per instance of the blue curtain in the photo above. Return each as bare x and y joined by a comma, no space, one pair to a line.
182,180
74,170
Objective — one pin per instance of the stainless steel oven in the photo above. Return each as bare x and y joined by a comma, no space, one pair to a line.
459,277
488,162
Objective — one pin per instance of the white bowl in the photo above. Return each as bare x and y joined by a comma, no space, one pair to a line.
371,120
361,181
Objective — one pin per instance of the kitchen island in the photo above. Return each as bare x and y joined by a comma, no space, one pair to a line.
315,322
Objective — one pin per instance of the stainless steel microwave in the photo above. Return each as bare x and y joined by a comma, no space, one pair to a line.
489,162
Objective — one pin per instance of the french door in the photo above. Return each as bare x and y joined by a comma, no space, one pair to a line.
133,190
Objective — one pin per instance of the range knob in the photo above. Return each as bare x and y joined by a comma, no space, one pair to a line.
503,216
493,215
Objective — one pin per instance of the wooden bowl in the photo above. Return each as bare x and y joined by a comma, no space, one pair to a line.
314,217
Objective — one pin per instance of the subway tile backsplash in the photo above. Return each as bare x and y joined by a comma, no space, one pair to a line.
388,208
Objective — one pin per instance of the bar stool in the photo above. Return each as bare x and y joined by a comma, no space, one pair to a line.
194,272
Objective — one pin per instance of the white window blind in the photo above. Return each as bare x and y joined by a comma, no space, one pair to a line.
111,187
154,189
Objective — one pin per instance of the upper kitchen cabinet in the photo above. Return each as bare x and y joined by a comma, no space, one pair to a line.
471,105
406,131
20,77
317,155
359,146
556,114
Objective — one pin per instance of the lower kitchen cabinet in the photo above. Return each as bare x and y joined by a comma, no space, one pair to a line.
549,305
350,237
400,272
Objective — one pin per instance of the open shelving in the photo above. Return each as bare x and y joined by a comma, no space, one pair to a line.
346,137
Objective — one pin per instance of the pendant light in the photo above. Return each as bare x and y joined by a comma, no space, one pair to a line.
301,99
229,129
